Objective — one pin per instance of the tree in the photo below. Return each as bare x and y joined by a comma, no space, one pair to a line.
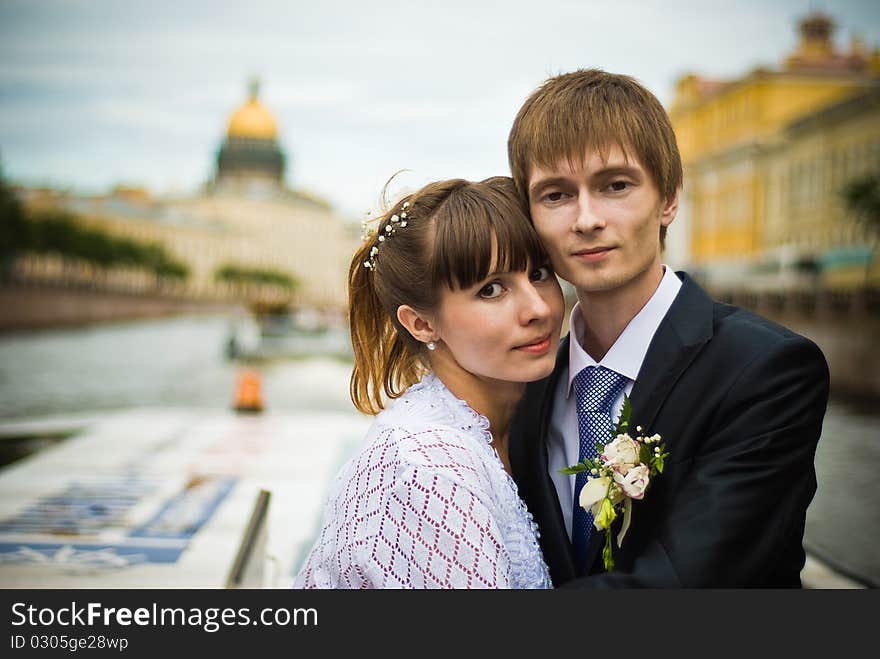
257,283
58,231
862,198
13,227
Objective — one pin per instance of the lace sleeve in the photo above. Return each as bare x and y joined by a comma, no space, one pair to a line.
421,506
435,532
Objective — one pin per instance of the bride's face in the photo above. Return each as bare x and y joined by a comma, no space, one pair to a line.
506,327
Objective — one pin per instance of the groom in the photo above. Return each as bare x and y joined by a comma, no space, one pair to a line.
737,399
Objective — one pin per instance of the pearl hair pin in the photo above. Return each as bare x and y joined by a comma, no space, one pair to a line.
391,226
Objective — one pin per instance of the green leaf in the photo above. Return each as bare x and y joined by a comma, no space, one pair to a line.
573,469
623,420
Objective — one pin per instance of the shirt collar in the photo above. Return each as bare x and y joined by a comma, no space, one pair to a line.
628,352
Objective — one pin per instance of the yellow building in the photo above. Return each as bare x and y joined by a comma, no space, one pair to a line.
730,133
805,213
247,217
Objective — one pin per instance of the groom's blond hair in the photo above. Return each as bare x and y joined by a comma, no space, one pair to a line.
587,111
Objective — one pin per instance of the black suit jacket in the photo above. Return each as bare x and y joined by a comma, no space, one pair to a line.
739,402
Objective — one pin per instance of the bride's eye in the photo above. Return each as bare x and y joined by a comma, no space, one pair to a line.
491,290
540,274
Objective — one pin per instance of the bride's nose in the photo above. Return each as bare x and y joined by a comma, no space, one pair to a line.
532,306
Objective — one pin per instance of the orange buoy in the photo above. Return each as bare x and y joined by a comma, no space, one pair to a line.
248,392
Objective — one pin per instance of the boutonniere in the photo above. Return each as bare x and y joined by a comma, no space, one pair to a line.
621,473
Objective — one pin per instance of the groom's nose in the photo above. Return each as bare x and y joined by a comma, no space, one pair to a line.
589,216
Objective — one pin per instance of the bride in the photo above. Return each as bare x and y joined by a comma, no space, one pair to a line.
453,308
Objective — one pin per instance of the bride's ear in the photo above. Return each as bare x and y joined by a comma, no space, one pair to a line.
419,325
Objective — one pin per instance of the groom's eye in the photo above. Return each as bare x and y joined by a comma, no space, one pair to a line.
553,196
618,186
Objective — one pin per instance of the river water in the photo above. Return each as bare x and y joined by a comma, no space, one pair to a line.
181,361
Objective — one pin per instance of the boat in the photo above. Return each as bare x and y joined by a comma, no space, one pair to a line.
267,336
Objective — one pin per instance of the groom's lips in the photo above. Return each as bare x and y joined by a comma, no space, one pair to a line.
539,346
593,254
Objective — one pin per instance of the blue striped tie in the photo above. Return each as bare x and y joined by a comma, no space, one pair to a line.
596,389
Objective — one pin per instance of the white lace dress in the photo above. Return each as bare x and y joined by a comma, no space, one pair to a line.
426,504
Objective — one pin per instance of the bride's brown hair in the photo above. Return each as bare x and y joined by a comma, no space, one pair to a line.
455,230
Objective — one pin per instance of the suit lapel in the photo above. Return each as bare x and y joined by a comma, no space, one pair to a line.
680,336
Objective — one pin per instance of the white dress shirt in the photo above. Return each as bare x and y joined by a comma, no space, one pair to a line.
624,357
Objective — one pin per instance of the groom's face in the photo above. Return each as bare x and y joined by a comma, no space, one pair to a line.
600,222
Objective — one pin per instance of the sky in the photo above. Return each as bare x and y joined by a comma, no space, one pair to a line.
95,93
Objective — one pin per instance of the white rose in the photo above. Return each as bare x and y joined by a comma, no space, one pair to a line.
634,481
623,450
593,491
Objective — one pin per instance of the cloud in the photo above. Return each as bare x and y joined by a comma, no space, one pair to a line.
94,89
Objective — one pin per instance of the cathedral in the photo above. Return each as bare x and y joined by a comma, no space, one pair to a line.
246,218
251,161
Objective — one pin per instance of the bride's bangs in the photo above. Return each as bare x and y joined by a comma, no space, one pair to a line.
480,232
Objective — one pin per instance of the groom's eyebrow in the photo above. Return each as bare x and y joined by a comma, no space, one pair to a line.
618,170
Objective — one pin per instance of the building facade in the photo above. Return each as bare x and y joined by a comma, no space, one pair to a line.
806,215
744,147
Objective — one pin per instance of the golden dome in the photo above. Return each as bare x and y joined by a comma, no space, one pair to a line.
252,119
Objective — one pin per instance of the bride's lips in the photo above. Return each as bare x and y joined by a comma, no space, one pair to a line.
593,254
537,347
